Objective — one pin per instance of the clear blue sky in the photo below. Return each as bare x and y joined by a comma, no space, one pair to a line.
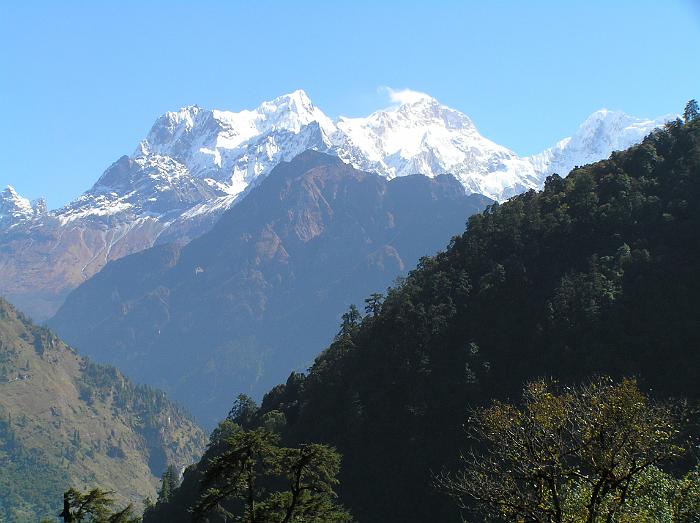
82,82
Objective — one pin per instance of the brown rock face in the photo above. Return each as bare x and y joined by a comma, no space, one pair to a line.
41,264
261,293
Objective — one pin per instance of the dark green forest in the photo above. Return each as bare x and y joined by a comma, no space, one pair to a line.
596,274
543,367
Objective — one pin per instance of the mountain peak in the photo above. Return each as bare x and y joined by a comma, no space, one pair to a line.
228,151
291,112
604,115
423,107
14,208
616,128
299,99
186,115
10,192
409,97
10,199
601,133
311,158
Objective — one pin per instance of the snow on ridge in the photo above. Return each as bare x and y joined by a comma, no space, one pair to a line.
601,133
16,209
419,134
11,197
197,161
208,141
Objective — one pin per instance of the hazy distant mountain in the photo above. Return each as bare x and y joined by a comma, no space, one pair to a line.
239,307
195,163
66,422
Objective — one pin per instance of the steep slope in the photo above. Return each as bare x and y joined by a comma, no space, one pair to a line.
595,274
240,306
67,422
195,163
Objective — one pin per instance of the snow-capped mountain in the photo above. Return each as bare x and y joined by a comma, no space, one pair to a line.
147,186
195,163
15,209
599,135
198,160
230,151
424,136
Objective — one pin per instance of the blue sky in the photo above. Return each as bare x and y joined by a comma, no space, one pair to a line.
82,82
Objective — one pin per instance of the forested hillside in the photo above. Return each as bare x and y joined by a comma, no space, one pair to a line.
598,273
66,422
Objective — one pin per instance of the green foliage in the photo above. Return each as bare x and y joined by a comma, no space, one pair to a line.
653,495
94,507
240,481
350,321
589,453
148,505
110,433
29,484
106,383
373,304
29,481
168,483
692,111
274,421
243,411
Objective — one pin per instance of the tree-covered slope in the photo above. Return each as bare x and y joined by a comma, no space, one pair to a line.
67,422
596,273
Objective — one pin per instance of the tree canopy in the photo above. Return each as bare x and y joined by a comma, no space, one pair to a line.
692,111
94,507
589,454
241,480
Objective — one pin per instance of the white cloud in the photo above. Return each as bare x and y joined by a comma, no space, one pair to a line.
404,96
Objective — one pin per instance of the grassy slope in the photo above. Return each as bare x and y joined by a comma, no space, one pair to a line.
64,422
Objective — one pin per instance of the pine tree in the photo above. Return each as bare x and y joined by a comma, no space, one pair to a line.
95,507
170,480
373,304
349,321
238,480
692,111
243,411
78,507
